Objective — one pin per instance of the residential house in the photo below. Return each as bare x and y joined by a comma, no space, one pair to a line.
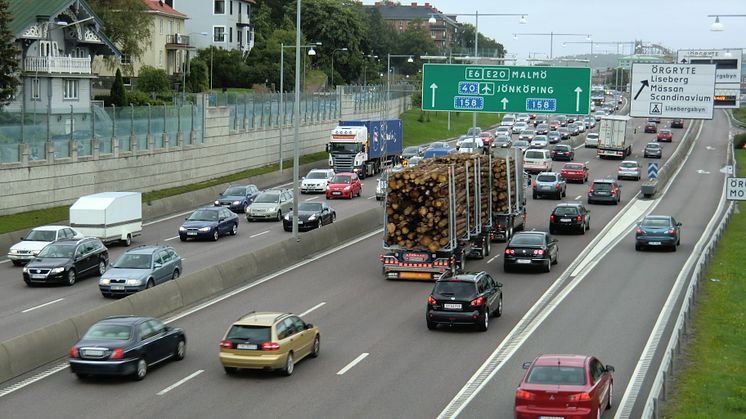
56,40
227,23
443,31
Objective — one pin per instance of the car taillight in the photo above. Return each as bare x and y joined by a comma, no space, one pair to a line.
117,353
533,183
477,302
226,344
590,189
551,218
613,191
538,252
579,218
270,346
557,186
638,230
580,397
671,231
431,300
509,251
524,395
73,352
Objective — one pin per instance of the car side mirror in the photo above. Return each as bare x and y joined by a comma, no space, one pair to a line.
609,368
186,218
303,178
220,194
309,326
157,265
678,224
23,238
526,365
499,284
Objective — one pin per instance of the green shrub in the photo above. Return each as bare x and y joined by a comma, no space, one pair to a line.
118,95
153,80
138,98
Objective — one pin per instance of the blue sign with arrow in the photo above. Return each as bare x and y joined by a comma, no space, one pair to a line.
652,171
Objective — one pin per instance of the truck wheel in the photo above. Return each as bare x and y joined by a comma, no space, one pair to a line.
487,245
128,241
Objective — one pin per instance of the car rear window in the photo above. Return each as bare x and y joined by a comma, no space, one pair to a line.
255,334
527,240
653,145
109,332
573,167
546,178
458,289
602,186
535,154
628,165
559,375
566,211
562,148
655,223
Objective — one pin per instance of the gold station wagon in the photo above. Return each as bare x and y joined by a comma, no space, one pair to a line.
268,341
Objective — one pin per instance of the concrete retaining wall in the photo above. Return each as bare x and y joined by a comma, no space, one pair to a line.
24,353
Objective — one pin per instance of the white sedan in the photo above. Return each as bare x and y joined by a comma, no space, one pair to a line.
30,245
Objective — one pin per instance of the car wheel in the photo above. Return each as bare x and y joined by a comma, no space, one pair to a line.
334,218
316,347
610,400
564,193
81,376
552,230
234,230
499,311
230,370
674,247
279,215
487,244
142,369
289,367
485,323
638,247
548,268
245,208
17,263
101,267
180,351
506,268
556,258
182,238
583,228
215,235
70,278
431,325
175,274
150,284
534,195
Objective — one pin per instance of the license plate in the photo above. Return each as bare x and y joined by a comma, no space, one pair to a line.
523,261
300,222
565,220
551,417
247,346
336,193
94,352
38,276
654,243
191,233
603,193
452,306
415,275
117,287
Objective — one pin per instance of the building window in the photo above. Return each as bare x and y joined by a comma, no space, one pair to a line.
35,89
239,37
125,59
71,89
127,81
218,34
79,53
231,8
219,7
230,35
161,22
160,58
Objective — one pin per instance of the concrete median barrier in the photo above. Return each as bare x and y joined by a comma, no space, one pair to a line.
39,347
238,270
157,301
115,308
199,285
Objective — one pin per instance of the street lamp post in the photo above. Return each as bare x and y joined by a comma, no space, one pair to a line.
282,88
331,76
296,125
551,36
717,26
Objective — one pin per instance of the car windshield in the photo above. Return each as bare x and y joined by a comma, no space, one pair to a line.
665,131
558,375
309,206
628,165
342,179
57,251
316,175
546,178
41,235
133,261
267,198
565,211
458,289
653,145
256,334
412,150
235,191
109,332
656,222
592,135
574,166
527,240
203,215
473,131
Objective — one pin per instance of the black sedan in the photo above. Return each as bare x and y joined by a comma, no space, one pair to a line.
237,197
310,215
658,231
468,298
531,249
563,152
64,261
127,346
209,223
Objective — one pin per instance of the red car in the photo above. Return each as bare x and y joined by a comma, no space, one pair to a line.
567,386
574,172
554,124
487,138
664,135
344,185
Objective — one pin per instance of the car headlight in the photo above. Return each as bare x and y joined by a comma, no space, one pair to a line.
287,217
104,281
347,188
182,228
327,187
134,282
35,252
25,269
13,251
205,229
57,270
217,202
236,202
311,218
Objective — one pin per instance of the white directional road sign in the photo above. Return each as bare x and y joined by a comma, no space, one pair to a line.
735,189
672,90
727,74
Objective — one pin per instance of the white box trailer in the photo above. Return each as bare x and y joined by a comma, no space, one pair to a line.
110,216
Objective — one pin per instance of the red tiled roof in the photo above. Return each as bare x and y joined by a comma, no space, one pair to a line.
162,7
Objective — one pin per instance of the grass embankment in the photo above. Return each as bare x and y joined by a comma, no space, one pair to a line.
712,381
740,114
424,127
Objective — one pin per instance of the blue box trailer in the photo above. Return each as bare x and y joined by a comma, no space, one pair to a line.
368,151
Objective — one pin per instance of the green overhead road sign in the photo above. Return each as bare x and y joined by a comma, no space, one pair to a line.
478,88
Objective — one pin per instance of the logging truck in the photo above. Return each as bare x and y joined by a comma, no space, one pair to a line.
365,147
511,216
438,213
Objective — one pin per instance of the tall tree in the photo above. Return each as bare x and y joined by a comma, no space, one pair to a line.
127,24
8,57
415,41
117,94
487,46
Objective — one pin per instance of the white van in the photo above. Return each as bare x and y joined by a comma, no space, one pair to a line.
536,161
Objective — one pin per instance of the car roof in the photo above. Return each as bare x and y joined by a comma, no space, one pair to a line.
208,209
125,319
527,233
324,170
147,248
603,181
565,360
657,217
344,174
628,161
260,318
50,228
74,241
569,204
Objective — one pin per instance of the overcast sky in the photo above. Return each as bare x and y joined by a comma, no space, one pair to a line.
676,24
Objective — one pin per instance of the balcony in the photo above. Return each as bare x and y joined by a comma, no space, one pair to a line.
57,65
244,20
177,41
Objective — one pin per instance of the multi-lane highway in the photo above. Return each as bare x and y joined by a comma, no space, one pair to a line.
378,359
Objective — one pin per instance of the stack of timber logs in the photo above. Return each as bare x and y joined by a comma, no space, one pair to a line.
417,205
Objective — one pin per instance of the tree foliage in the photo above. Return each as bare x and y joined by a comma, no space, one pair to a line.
198,80
8,57
228,66
118,95
153,80
487,46
126,23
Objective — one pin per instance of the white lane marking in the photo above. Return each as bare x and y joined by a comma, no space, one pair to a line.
372,197
259,234
180,382
31,380
493,258
353,363
5,261
578,197
171,238
312,198
319,305
42,305
580,146
170,217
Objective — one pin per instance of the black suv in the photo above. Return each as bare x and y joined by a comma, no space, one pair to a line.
468,298
677,123
63,261
570,216
605,190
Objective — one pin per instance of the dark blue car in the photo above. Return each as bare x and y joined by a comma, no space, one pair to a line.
237,197
209,223
658,231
